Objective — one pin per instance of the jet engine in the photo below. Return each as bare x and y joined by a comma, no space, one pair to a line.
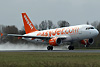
55,41
87,41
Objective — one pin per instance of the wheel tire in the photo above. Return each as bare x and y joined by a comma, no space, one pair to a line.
50,47
71,47
87,45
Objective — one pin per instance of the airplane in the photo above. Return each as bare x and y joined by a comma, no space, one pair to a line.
55,37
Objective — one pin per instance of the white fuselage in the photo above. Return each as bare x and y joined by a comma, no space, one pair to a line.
72,33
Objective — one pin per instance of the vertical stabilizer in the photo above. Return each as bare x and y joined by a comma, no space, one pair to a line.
1,34
29,27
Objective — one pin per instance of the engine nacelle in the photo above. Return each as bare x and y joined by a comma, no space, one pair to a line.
87,41
55,41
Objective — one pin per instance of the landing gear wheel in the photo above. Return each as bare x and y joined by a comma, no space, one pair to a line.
50,47
71,47
87,45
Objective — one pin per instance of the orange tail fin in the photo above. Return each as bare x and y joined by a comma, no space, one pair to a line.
29,27
1,34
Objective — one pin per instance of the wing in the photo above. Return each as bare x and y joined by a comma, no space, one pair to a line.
39,37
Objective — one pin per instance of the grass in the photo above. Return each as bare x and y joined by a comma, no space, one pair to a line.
49,59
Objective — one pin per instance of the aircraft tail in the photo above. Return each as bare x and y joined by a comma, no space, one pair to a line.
1,34
29,27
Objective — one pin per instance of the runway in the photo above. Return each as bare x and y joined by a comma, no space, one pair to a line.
75,51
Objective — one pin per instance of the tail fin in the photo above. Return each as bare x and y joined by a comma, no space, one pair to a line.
29,27
1,34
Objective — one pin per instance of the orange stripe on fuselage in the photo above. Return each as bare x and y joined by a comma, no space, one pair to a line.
59,31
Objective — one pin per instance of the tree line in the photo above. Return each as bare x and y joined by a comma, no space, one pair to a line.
44,25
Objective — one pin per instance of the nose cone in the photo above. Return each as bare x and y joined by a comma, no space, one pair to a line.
97,32
94,32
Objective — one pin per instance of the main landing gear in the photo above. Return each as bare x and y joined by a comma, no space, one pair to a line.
50,47
71,47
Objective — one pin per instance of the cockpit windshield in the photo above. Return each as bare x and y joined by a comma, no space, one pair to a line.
90,28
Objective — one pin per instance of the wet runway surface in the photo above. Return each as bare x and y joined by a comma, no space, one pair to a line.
77,51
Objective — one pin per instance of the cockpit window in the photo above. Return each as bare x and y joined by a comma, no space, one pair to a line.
90,28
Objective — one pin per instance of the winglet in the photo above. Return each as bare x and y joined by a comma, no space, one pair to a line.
29,27
1,34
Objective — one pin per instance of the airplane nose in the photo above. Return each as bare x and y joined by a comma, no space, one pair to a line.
97,32
94,33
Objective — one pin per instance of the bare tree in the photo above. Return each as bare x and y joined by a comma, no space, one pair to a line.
22,31
87,23
43,25
36,26
10,30
50,24
63,23
54,26
95,24
1,31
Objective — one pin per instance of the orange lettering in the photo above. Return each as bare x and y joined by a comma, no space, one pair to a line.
42,34
70,30
39,34
66,31
62,32
75,30
53,33
58,31
46,33
78,29
49,33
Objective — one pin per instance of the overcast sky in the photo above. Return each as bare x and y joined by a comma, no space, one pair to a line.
73,11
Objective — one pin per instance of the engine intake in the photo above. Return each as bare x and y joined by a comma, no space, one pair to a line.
87,41
90,41
55,41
